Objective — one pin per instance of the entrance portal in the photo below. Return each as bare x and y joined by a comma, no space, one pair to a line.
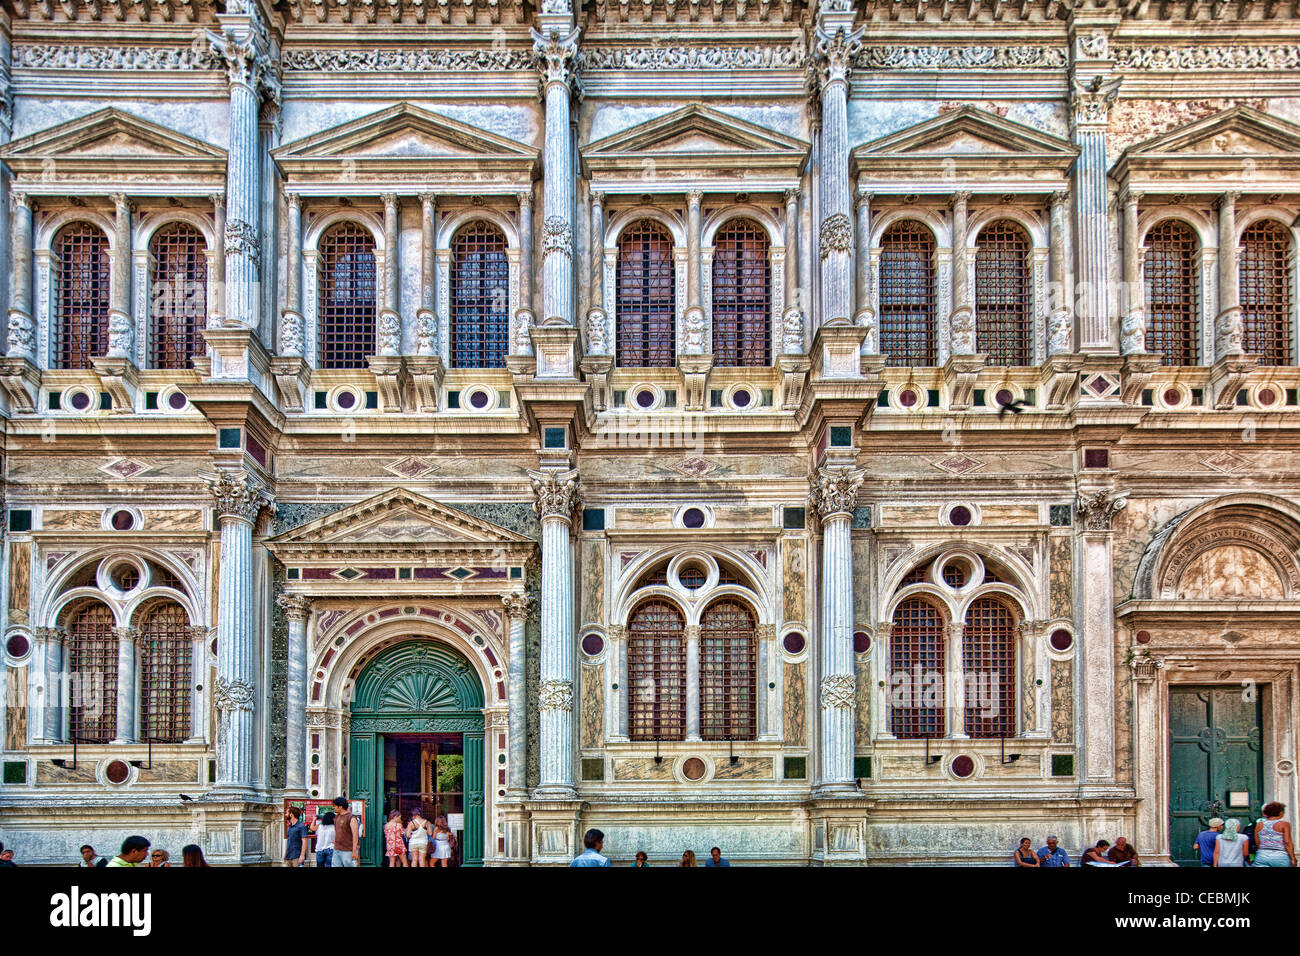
426,772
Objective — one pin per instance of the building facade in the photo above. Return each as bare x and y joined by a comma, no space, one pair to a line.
843,432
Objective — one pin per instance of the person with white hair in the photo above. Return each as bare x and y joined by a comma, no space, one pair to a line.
1206,840
1052,855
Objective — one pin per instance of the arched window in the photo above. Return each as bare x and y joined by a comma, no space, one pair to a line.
917,659
347,296
647,335
989,669
907,323
1003,302
81,277
178,295
728,677
656,672
1171,292
91,663
165,665
742,295
480,297
1265,277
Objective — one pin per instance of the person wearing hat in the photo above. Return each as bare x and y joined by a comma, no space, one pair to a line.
1206,839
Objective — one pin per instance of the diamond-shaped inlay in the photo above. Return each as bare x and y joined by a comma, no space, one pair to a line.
1099,384
125,467
461,574
692,467
409,467
1227,462
347,574
958,464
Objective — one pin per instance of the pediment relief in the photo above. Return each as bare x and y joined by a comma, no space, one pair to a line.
967,130
1239,130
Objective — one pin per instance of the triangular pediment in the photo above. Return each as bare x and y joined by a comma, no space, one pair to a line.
105,137
695,129
967,130
1240,130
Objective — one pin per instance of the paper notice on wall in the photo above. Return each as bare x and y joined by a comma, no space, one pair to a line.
456,821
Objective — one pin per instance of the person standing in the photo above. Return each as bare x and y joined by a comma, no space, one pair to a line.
1123,852
1230,847
715,858
347,834
1206,839
90,858
134,850
323,828
417,833
1025,855
295,841
444,841
1273,836
594,841
1052,855
394,845
192,855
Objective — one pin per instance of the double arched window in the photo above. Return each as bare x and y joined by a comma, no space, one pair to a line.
480,283
917,666
347,310
81,282
907,299
165,666
1265,281
178,295
1171,292
742,295
646,297
656,672
1003,301
90,647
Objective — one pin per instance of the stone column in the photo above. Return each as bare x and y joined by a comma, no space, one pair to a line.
557,496
955,690
792,284
555,57
240,498
217,294
833,495
388,337
1091,111
862,268
526,266
127,637
121,327
22,329
516,608
837,43
292,326
51,638
1228,330
1060,318
199,661
692,635
244,46
1132,337
426,318
1096,512
962,322
1148,754
693,200
297,609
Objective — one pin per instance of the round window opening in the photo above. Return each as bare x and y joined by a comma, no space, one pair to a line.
346,400
741,398
794,643
1061,639
693,518
593,644
955,573
177,400
959,516
861,642
123,521
692,578
693,768
962,766
117,772
17,645
124,577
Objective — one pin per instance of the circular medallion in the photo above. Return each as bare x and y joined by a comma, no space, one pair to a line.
861,642
1004,396
693,518
741,398
123,520
177,400
693,768
1061,639
1142,637
593,644
959,516
794,643
907,398
117,772
80,401
645,398
17,646
1172,396
962,766
346,400
1266,396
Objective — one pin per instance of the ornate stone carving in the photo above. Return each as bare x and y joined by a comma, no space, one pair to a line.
198,633
556,493
693,331
1229,332
1094,44
296,607
555,694
1092,102
242,238
866,319
22,333
961,58
554,56
557,236
523,336
55,56
1197,56
426,332
962,325
292,335
791,57
232,695
792,332
516,605
49,635
1132,335
246,59
597,333
835,490
1097,512
128,634
239,495
834,54
838,690
406,61
121,335
836,234
389,333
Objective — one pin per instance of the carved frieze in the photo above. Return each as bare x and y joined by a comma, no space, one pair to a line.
961,58
791,57
1172,59
406,61
56,56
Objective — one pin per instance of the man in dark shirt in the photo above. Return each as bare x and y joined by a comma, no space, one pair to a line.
295,843
1206,839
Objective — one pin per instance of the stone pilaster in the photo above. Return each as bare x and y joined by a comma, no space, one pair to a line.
955,698
291,321
51,640
22,328
516,608
1228,338
1060,318
693,200
127,658
199,658
1132,336
1096,512
297,609
833,495
962,321
1091,110
555,56
121,327
692,636
217,294
557,496
426,318
865,316
240,499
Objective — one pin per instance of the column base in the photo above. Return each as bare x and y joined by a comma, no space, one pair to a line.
555,792
835,790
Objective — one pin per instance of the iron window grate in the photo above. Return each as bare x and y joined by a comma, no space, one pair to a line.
165,674
1171,295
989,669
1265,279
916,662
92,669
742,295
656,673
82,284
1003,303
178,290
728,689
907,303
480,283
647,336
348,283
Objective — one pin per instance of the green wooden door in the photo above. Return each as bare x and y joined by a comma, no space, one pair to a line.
1214,757
366,782
471,853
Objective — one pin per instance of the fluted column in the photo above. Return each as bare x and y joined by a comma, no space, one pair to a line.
1096,513
51,639
836,45
1060,318
516,608
555,58
297,609
22,329
693,200
292,341
962,322
556,496
833,494
127,638
240,498
1091,111
217,295
1132,336
121,327
1228,339
426,317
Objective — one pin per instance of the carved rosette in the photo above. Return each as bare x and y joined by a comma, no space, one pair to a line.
836,234
555,694
297,607
239,495
834,490
516,606
232,695
1097,511
838,690
557,236
556,494
554,56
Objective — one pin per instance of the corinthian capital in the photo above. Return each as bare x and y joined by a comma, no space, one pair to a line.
1097,511
555,55
516,606
239,495
556,493
1092,102
128,635
49,635
835,490
296,607
245,52
833,53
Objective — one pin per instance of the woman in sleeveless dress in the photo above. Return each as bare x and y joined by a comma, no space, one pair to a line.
417,832
394,845
1230,847
1025,855
443,841
1273,838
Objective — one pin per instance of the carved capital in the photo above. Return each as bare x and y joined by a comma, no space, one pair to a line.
427,198
555,694
516,606
863,199
294,200
554,56
1130,197
128,635
694,197
833,54
1060,197
297,607
835,490
49,635
218,202
959,198
21,201
525,197
243,238
239,495
197,633
837,691
246,58
1097,512
691,632
556,494
1229,199
389,200
1092,103
232,695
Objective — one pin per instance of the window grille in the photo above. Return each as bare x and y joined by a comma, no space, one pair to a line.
728,678
1171,292
348,284
918,575
178,291
691,578
989,669
916,663
907,304
742,295
91,663
654,576
165,674
81,282
480,297
647,335
656,673
1265,278
1003,302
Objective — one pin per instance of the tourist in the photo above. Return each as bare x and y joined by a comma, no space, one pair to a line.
90,858
444,841
594,841
1206,839
192,855
1273,836
642,860
295,841
417,833
1230,846
323,829
159,857
1095,855
1123,853
688,858
134,850
715,858
1052,855
1024,854
394,845
347,834
6,857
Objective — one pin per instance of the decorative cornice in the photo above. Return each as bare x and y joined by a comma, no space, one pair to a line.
1097,512
791,57
838,691
556,494
555,694
297,607
835,490
232,695
477,60
239,495
516,606
899,57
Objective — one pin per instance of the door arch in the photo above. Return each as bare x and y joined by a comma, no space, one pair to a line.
419,686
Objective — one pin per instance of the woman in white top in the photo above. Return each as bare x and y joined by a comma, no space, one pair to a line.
323,828
443,841
1230,847
417,833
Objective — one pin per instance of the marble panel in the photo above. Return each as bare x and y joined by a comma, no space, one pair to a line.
794,579
84,772
642,768
593,581
593,706
68,520
745,768
169,771
795,704
20,581
1010,514
862,694
16,709
1230,572
173,520
1060,576
1062,702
